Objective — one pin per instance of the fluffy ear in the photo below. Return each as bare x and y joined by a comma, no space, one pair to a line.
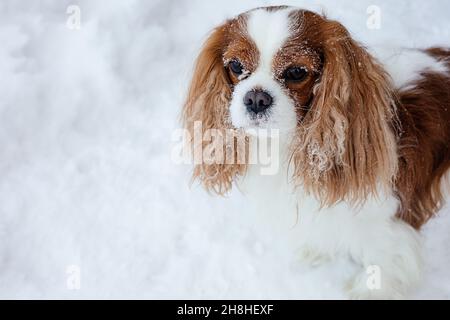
207,109
345,147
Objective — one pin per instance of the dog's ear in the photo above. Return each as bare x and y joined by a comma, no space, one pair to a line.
345,148
207,105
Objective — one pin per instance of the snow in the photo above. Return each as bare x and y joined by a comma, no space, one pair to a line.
86,175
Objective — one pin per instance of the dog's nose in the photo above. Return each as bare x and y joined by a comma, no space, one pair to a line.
257,101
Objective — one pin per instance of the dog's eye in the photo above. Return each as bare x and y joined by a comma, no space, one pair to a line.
236,67
295,74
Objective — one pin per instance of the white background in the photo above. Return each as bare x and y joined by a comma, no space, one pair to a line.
86,176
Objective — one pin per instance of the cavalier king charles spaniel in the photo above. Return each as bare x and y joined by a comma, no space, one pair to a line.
363,137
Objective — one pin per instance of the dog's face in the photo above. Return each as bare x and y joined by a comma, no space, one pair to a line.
296,71
272,69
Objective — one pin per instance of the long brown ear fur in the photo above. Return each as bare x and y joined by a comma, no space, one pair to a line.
208,101
345,147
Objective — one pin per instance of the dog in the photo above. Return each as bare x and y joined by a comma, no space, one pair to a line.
363,136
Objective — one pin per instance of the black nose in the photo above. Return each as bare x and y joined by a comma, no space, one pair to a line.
257,101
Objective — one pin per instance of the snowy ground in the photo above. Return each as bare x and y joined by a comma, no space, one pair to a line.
86,177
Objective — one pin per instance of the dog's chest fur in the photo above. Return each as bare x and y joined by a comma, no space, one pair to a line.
289,212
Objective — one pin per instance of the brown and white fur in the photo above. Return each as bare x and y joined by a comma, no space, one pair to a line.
364,137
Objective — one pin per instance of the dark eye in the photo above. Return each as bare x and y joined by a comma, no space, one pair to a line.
295,74
236,67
